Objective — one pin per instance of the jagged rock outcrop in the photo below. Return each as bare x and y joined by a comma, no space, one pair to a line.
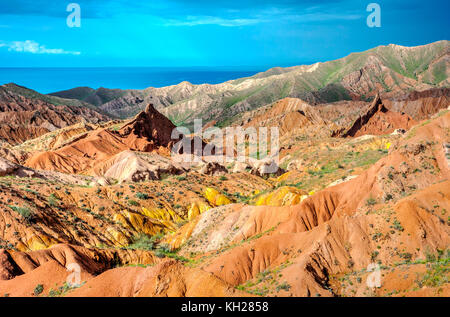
265,167
148,131
213,168
377,120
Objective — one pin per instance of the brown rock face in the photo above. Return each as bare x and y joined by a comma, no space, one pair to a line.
420,104
378,120
287,114
23,118
6,167
8,268
148,131
213,168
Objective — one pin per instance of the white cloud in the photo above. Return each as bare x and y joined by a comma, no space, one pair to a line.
34,48
272,15
320,17
209,20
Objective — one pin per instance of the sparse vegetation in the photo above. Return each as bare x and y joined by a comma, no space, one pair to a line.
23,211
371,201
142,196
284,286
38,290
133,202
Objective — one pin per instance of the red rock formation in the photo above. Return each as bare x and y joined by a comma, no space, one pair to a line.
421,104
287,114
378,120
148,131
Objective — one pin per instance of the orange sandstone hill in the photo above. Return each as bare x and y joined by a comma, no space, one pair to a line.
287,114
393,214
148,131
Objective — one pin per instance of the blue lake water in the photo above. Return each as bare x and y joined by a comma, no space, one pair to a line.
48,80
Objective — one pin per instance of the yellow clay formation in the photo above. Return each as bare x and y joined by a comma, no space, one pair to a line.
148,221
161,214
178,238
197,208
374,144
215,198
283,177
118,236
36,242
283,196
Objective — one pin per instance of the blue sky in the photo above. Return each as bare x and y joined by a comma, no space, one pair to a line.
208,32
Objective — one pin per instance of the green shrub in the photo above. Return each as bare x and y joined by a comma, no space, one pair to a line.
285,286
62,290
53,200
436,275
142,196
38,289
23,211
371,201
374,255
398,225
143,242
133,203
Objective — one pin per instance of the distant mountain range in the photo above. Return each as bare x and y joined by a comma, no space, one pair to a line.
391,71
388,70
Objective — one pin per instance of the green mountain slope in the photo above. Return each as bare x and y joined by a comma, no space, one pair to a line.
55,100
389,70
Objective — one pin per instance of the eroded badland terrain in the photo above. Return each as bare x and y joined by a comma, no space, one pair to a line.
88,185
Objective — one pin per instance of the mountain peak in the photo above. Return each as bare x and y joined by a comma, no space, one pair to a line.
149,125
150,109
